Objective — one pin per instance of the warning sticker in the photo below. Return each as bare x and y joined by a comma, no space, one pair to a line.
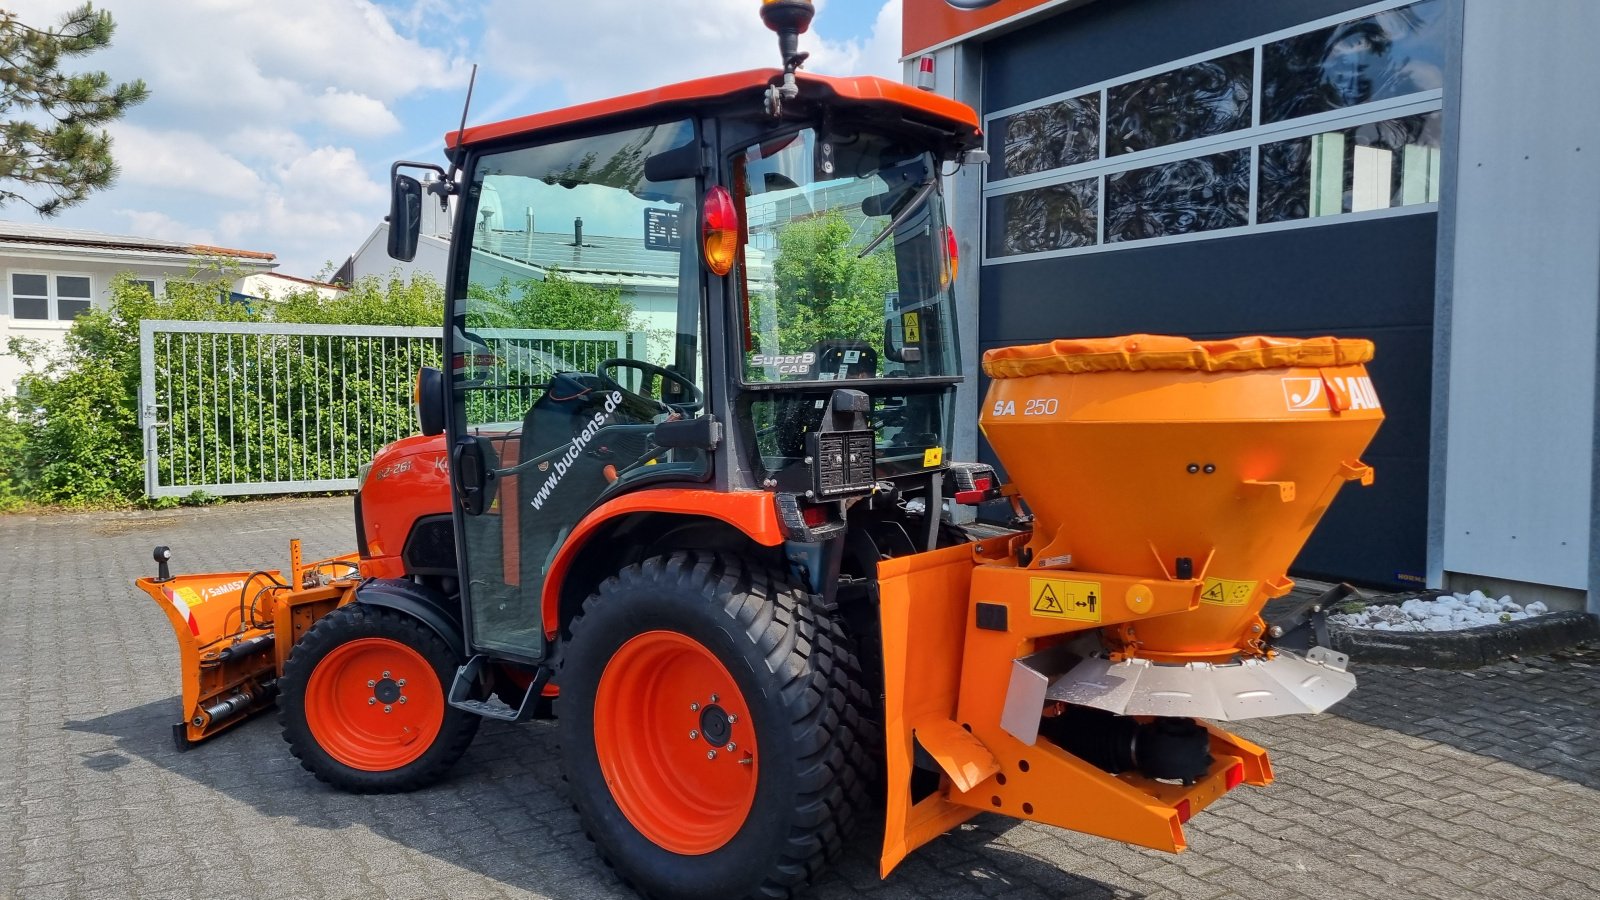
1222,592
933,456
1080,601
912,322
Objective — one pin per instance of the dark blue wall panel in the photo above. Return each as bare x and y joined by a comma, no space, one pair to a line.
1112,38
1361,279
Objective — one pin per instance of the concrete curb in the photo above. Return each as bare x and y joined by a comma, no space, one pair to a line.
1467,648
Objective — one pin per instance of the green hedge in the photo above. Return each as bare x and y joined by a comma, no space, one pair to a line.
71,436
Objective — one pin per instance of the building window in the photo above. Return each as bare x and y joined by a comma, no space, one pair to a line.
1206,193
72,296
1048,218
1335,118
30,296
1194,101
1379,57
38,296
147,285
1053,136
1378,165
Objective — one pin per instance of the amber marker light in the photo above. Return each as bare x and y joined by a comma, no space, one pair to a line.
719,230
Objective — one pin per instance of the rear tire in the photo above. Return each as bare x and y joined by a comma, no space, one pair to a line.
672,662
362,702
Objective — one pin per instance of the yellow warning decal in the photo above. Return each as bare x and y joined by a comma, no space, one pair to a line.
189,596
913,327
932,456
1222,592
1053,598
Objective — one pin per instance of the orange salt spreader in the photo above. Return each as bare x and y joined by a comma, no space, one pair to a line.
1171,484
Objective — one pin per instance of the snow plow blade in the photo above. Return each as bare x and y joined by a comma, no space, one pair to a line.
227,624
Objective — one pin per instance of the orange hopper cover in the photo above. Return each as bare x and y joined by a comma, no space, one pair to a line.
1150,352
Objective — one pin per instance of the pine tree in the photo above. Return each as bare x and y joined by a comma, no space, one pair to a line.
53,151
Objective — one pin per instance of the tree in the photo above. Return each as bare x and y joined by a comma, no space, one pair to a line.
556,303
827,291
53,151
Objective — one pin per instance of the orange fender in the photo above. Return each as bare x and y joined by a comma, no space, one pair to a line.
754,513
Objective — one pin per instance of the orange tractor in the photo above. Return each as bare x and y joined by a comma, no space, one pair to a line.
736,547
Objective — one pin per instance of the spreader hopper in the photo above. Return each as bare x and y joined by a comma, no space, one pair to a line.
1163,457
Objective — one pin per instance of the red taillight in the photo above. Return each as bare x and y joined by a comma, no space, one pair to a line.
952,254
1235,776
719,230
814,516
979,493
1183,811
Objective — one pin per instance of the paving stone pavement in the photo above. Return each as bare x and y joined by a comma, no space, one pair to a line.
1423,784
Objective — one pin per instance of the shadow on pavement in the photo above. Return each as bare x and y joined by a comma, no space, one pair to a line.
503,814
1542,714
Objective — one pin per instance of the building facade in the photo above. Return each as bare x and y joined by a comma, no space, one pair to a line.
52,275
1399,171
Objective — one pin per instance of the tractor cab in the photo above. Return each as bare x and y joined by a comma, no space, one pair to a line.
664,300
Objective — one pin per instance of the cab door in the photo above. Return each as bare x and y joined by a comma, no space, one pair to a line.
574,334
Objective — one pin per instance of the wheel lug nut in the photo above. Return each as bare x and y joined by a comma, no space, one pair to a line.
713,698
694,707
401,682
402,698
694,735
731,747
388,708
711,754
386,673
371,700
371,683
732,718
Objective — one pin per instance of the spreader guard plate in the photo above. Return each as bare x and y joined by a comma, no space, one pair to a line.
1255,688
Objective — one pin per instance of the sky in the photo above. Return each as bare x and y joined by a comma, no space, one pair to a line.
271,125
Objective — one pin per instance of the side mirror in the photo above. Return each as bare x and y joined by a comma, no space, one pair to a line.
405,217
429,399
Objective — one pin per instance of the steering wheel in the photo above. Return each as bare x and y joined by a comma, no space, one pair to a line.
695,404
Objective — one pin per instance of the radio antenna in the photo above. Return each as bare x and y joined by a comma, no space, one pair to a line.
455,159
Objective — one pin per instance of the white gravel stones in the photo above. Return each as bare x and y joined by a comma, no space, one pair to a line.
1445,612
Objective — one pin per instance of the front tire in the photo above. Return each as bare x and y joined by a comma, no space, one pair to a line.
362,702
707,730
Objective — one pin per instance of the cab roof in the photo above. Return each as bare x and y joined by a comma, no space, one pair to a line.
869,91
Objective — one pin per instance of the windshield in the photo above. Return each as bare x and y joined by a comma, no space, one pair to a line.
846,275
846,269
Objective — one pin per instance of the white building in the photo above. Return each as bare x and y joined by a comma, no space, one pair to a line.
52,275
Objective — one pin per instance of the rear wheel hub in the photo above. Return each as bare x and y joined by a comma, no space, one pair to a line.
673,737
714,726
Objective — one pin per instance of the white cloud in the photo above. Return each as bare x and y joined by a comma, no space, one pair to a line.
274,145
330,174
180,161
354,113
601,48
339,63
154,224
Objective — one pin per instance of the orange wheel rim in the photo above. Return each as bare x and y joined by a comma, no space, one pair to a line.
374,704
675,743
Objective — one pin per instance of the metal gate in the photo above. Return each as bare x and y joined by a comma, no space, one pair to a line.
232,408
